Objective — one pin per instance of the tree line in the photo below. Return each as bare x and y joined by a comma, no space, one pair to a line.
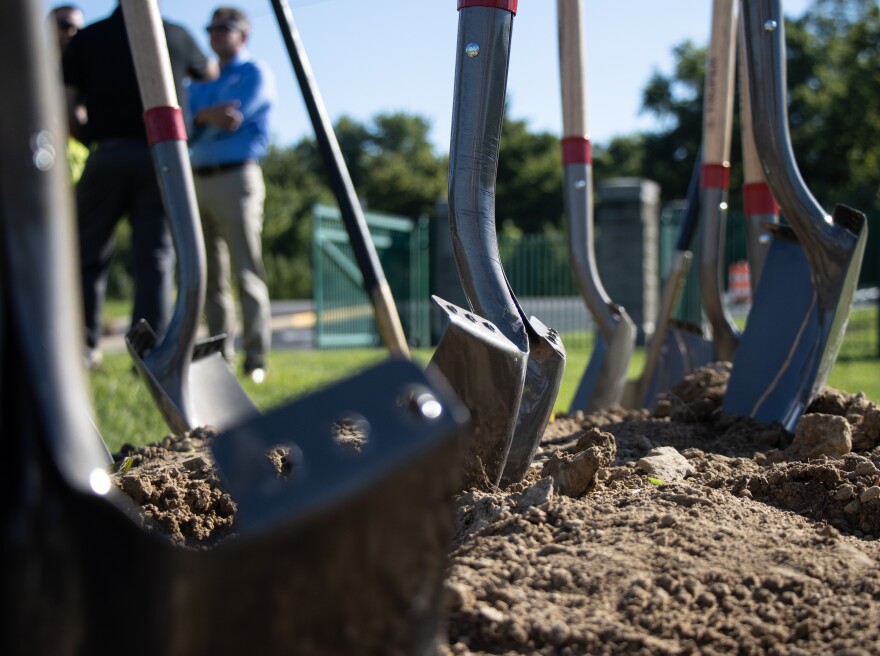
833,73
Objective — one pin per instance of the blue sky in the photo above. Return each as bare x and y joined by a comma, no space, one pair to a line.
372,56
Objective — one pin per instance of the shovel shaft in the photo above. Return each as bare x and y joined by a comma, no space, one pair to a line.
167,363
482,57
578,164
759,205
41,305
715,174
828,245
387,317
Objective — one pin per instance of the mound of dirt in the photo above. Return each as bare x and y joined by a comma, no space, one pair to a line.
683,531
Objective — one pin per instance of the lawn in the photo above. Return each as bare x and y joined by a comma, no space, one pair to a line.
125,411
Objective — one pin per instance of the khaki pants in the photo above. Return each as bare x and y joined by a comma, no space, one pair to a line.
231,207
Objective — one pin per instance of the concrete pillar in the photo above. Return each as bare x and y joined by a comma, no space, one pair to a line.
627,218
445,282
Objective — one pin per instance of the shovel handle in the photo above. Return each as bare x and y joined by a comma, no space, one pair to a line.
719,86
572,71
757,197
384,309
147,38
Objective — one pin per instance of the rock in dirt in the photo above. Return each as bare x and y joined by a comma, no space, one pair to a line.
574,474
539,494
818,435
666,463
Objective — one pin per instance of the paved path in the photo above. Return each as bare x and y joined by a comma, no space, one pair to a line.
293,327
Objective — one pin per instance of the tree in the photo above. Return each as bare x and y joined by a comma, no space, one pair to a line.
529,183
390,161
833,76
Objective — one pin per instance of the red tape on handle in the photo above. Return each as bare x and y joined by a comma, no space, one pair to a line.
715,176
164,124
758,199
576,150
507,5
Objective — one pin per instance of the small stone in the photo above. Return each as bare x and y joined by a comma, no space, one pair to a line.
195,464
866,468
844,492
665,463
538,494
819,435
870,494
491,614
667,520
853,507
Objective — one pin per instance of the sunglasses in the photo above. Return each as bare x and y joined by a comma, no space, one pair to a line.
67,26
219,28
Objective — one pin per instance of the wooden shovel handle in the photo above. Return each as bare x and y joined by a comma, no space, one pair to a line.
150,53
752,171
571,68
719,86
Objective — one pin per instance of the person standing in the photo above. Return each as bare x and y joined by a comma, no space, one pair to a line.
106,112
230,136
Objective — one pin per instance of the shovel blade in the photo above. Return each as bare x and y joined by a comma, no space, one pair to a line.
604,379
791,341
684,349
204,393
218,398
487,372
349,559
166,385
544,369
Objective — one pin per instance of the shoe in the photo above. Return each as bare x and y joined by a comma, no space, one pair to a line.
257,374
93,358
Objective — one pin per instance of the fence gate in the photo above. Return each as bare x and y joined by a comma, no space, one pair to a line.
343,312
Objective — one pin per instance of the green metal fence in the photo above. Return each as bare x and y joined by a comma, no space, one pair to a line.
537,267
343,312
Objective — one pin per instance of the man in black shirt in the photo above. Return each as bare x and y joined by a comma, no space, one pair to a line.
119,178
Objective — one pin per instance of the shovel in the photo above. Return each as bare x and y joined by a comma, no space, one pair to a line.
715,176
759,206
191,383
387,318
802,303
482,58
40,305
676,347
603,380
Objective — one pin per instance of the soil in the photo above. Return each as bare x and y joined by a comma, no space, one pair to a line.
682,531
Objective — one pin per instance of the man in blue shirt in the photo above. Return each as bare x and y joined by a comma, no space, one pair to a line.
230,135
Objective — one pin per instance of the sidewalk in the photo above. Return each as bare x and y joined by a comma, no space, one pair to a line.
293,327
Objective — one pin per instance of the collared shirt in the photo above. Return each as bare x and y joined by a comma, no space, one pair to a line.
97,62
250,82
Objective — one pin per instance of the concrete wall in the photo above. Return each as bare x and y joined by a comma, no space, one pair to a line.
627,218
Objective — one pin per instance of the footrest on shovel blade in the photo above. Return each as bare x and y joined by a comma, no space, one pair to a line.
487,371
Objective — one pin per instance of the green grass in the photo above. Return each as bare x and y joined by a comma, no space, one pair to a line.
125,412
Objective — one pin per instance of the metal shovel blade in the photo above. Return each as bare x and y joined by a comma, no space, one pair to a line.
472,356
790,342
604,379
346,557
803,300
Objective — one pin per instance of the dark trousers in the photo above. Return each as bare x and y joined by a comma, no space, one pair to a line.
119,180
